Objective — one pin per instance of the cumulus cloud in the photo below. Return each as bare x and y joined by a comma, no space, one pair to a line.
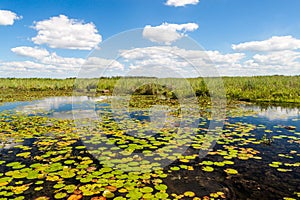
276,55
185,63
178,3
98,67
160,61
219,58
287,58
23,65
62,62
167,33
35,52
45,64
65,33
45,57
157,53
8,17
279,62
271,63
48,64
97,62
191,63
19,67
29,68
275,43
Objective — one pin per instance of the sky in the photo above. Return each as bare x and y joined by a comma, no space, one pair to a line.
64,38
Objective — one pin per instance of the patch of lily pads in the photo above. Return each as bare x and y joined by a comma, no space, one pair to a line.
50,156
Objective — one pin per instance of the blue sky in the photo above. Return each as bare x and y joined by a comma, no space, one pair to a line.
220,24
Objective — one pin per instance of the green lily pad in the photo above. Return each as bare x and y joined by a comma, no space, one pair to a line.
175,168
146,189
60,195
161,187
108,194
161,195
284,170
189,194
231,171
207,169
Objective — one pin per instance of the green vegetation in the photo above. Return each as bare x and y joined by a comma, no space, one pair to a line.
274,89
281,89
13,89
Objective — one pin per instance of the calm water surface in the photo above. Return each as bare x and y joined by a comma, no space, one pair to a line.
255,180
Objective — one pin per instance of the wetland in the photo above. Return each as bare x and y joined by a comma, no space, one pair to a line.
47,153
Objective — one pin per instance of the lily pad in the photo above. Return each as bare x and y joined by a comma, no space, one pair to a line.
208,169
231,171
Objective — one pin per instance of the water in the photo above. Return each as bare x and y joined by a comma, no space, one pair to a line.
256,179
57,107
273,136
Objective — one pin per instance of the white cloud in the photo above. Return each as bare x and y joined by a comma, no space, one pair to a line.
190,63
8,17
169,54
102,63
167,33
65,33
284,58
275,43
36,69
98,67
62,62
178,3
45,57
167,60
17,66
35,52
51,65
225,59
277,55
269,63
45,64
160,61
280,62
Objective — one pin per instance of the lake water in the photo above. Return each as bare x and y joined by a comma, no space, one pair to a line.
264,148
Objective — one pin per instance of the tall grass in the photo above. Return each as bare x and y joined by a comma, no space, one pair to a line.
254,89
36,84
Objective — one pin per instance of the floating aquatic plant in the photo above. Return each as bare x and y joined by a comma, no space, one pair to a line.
231,171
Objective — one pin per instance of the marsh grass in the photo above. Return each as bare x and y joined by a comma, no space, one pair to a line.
273,89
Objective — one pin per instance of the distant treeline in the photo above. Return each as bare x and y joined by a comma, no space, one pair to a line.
253,89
